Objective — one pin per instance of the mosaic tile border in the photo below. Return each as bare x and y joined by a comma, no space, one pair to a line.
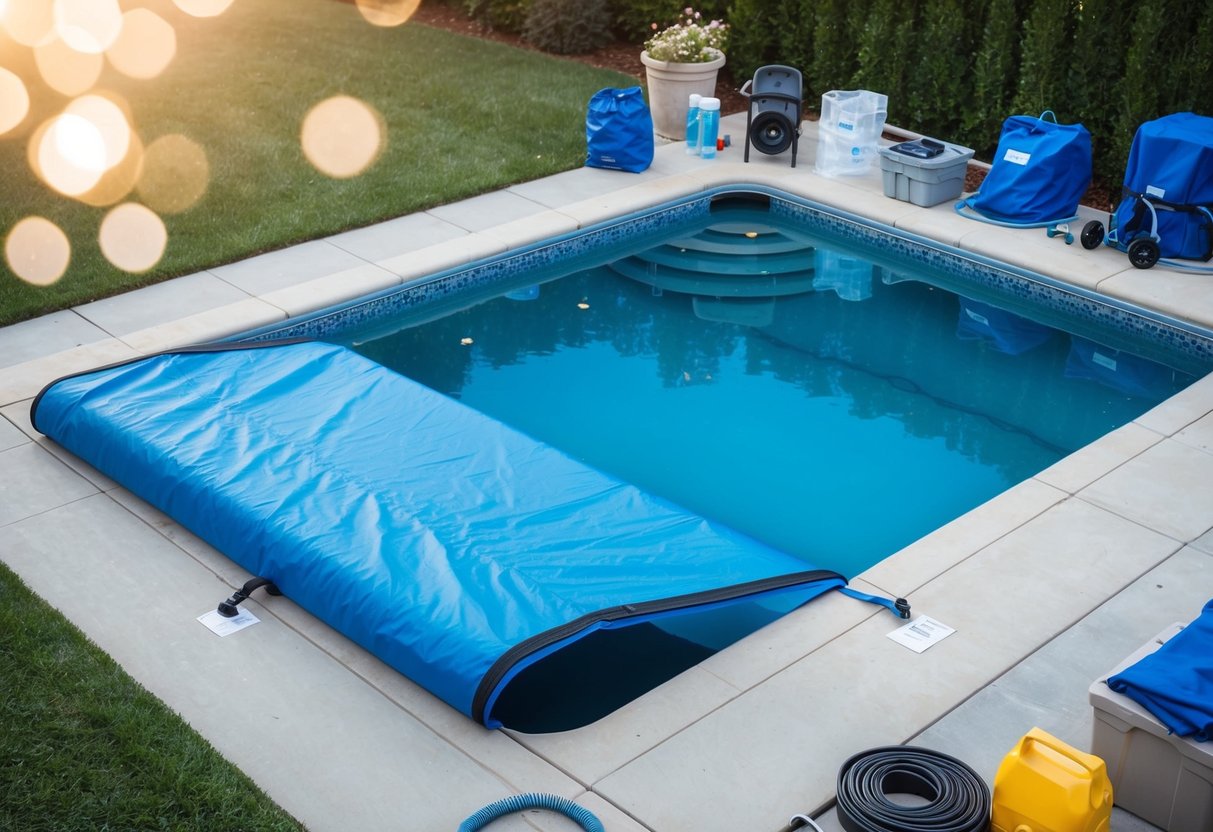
1032,290
530,260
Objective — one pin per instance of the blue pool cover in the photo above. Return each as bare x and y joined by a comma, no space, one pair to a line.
457,550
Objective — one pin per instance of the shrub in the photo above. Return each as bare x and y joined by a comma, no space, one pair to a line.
939,86
502,15
1138,90
993,74
1101,38
633,19
836,28
567,27
1044,66
887,53
755,37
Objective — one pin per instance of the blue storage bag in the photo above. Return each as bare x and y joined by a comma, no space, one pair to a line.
1171,162
1040,172
619,130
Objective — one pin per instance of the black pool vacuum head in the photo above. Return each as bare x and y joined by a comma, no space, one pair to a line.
773,118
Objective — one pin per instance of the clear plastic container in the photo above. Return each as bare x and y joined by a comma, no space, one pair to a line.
848,134
693,125
709,126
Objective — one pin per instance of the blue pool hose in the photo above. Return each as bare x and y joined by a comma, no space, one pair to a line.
508,806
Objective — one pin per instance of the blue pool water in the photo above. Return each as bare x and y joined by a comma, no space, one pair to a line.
832,407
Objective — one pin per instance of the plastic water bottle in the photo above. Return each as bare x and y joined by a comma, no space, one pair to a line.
709,126
693,125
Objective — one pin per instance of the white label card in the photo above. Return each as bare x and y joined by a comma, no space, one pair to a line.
921,633
1016,157
221,626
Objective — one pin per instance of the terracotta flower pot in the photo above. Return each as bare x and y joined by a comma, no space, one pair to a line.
670,87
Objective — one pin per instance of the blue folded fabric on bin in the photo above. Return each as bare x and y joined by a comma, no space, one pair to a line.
1175,683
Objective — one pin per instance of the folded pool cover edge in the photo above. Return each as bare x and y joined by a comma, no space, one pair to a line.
452,547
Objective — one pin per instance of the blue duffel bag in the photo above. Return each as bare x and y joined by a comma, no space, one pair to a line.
1040,172
619,130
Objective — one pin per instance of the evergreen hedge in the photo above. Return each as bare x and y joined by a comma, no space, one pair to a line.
956,69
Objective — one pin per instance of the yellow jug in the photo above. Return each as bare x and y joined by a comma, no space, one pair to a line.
1044,785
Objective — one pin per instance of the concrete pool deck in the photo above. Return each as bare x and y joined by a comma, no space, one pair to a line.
1048,585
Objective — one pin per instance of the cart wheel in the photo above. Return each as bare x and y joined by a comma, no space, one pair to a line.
1143,253
1069,239
1051,232
1092,235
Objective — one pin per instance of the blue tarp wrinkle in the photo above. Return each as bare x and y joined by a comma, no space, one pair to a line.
447,544
1175,683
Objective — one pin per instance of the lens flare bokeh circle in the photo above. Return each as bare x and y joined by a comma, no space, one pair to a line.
175,174
203,8
342,136
132,237
146,45
14,100
37,251
387,12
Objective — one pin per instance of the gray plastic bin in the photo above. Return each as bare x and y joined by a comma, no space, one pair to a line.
1163,779
924,181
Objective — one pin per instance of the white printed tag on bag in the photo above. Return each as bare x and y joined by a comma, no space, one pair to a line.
921,633
1016,157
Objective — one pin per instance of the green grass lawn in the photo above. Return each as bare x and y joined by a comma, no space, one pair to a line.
83,746
86,748
461,116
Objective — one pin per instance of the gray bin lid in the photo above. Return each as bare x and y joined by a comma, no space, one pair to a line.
952,154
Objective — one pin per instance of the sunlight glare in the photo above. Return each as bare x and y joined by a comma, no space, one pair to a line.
29,22
387,12
14,100
132,237
342,136
117,182
146,45
65,69
110,122
71,154
203,8
175,175
88,25
37,251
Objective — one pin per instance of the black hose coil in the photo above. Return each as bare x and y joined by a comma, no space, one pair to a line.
957,799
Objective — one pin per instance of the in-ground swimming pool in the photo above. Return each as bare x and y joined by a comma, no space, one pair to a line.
781,383
762,376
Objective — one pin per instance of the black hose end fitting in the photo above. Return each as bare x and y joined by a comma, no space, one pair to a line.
231,607
903,607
